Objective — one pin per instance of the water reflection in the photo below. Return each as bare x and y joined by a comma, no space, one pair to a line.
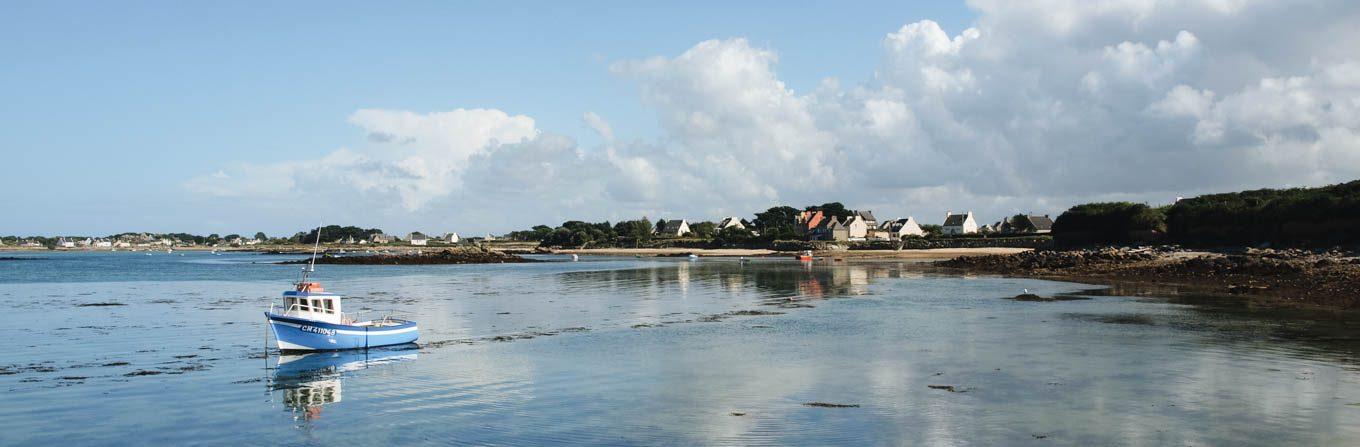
309,382
552,354
772,281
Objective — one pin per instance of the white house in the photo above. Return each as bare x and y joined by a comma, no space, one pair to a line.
418,238
673,228
63,243
902,228
452,238
731,222
857,227
103,243
382,238
955,224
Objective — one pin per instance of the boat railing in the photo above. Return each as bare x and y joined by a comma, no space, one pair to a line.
384,315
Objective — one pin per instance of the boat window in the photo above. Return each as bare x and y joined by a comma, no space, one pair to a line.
316,305
330,306
302,305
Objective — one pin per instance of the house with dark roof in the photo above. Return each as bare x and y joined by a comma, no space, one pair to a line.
806,222
868,217
731,222
955,224
1029,224
903,228
673,228
418,238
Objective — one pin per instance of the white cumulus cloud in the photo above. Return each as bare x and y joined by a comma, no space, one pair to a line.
1036,106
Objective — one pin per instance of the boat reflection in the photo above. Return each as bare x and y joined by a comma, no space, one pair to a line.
311,381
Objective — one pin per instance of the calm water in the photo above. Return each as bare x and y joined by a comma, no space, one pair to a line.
649,351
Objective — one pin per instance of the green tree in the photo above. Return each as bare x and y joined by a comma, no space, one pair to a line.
575,233
733,236
260,236
832,209
335,233
776,223
1106,223
704,229
1297,216
537,233
636,232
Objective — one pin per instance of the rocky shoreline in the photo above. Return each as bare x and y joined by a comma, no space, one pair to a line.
448,256
1319,278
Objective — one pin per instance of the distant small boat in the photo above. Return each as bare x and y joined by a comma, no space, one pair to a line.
693,257
805,256
312,319
575,258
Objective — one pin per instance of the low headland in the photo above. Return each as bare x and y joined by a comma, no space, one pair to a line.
1290,277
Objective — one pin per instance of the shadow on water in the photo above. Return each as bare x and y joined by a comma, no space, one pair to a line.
1308,333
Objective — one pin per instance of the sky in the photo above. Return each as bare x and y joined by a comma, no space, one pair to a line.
490,117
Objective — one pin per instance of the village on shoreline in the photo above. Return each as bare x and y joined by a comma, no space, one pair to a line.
1298,246
1286,218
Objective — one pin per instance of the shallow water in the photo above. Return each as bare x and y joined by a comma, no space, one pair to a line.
658,351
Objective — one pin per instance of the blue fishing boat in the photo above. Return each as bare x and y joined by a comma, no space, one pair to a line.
312,319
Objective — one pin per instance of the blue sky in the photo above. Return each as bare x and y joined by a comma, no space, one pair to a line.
167,116
112,105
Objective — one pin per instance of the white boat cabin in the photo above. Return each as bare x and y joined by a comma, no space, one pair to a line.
312,302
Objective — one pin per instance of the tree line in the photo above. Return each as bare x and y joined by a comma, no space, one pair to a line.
1328,215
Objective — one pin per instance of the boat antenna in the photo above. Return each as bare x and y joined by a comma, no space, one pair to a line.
315,246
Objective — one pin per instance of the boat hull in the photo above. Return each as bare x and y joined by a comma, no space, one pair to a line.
301,334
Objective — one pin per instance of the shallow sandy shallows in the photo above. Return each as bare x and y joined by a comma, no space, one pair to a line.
934,253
